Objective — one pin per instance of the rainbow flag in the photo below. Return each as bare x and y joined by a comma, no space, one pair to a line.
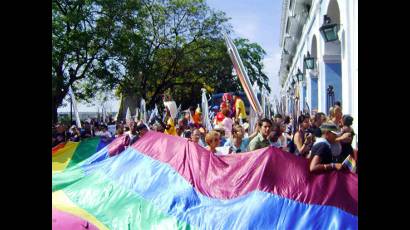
350,163
167,182
66,155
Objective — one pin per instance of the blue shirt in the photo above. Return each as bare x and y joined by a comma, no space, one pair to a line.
242,148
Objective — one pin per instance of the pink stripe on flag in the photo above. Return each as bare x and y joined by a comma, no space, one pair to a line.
65,221
268,169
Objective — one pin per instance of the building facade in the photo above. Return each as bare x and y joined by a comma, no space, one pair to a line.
306,35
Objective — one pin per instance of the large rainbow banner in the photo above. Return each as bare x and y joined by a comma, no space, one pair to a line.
167,182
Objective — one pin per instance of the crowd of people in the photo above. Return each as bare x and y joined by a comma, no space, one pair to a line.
325,140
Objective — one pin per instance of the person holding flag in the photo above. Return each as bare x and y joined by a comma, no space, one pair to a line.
323,159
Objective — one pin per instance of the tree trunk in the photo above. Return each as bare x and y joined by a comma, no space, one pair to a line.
54,117
57,99
128,101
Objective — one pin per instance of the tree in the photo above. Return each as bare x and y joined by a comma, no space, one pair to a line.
177,46
81,32
144,49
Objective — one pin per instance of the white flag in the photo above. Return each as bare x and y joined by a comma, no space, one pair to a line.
153,114
77,116
143,111
103,113
205,111
128,115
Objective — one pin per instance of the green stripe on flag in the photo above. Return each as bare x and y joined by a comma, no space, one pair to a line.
117,207
85,149
63,179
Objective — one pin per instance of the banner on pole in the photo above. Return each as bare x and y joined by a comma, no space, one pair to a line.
77,115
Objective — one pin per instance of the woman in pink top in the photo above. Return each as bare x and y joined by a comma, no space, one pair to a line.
227,123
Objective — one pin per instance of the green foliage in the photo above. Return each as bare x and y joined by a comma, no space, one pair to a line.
145,48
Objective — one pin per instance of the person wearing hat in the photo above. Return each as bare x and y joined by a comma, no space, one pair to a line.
170,108
323,158
219,118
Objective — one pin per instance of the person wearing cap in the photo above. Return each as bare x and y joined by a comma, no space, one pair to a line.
323,158
261,139
240,112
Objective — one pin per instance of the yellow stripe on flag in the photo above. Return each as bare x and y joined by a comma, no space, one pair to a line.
63,156
63,203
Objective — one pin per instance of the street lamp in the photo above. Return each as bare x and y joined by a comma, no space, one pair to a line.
299,76
329,30
309,61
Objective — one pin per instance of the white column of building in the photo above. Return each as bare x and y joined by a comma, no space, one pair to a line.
321,77
308,89
355,69
346,62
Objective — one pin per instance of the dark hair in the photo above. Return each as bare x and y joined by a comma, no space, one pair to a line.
278,115
264,120
318,116
347,120
301,118
287,120
338,103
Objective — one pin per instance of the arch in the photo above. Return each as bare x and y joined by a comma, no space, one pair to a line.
313,47
332,58
313,81
333,11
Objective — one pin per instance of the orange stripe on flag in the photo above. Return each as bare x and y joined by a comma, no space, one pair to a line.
57,147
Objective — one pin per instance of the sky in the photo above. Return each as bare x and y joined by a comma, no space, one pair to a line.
256,20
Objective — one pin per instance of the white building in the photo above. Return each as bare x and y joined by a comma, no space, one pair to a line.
335,62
